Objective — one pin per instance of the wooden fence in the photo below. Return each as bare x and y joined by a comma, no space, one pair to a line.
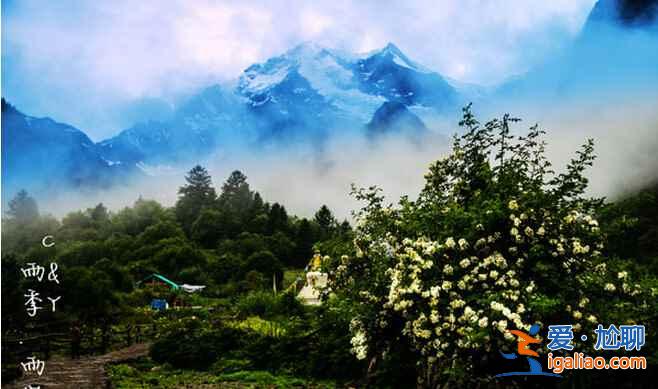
44,340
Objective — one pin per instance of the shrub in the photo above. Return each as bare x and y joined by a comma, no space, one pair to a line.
189,343
267,264
227,365
268,305
494,241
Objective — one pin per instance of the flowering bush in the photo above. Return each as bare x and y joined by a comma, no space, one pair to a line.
495,241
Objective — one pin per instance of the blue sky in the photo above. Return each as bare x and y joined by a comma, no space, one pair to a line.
100,65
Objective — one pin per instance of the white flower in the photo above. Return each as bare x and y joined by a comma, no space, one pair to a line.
591,319
434,291
463,244
560,248
529,232
577,315
493,274
541,231
609,287
359,341
447,269
446,285
464,263
483,322
457,303
429,250
513,205
579,249
622,275
450,243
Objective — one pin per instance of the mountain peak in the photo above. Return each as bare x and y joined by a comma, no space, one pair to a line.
394,117
305,48
392,52
392,48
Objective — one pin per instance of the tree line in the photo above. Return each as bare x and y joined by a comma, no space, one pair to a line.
232,241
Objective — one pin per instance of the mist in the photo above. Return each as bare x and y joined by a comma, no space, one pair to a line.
601,85
303,179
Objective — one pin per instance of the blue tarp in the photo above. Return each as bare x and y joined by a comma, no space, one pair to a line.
159,304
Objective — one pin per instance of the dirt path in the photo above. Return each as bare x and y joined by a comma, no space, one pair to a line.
86,372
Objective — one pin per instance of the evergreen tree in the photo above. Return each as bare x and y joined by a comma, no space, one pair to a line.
325,220
277,219
23,208
213,225
304,239
257,205
193,197
345,227
236,196
99,213
257,216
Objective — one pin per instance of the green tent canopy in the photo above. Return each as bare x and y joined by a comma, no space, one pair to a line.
162,278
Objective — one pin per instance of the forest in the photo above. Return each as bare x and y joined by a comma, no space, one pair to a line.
421,291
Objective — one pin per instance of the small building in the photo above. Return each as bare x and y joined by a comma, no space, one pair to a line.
162,300
158,279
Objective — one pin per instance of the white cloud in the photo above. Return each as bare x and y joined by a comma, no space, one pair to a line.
99,55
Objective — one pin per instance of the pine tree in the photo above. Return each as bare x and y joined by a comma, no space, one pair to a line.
257,205
304,239
193,197
325,220
277,219
236,197
23,208
99,213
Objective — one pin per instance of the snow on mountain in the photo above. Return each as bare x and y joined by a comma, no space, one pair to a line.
41,155
328,72
350,87
304,95
397,57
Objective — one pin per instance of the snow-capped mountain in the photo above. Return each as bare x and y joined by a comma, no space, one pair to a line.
195,130
42,155
348,85
303,95
390,74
